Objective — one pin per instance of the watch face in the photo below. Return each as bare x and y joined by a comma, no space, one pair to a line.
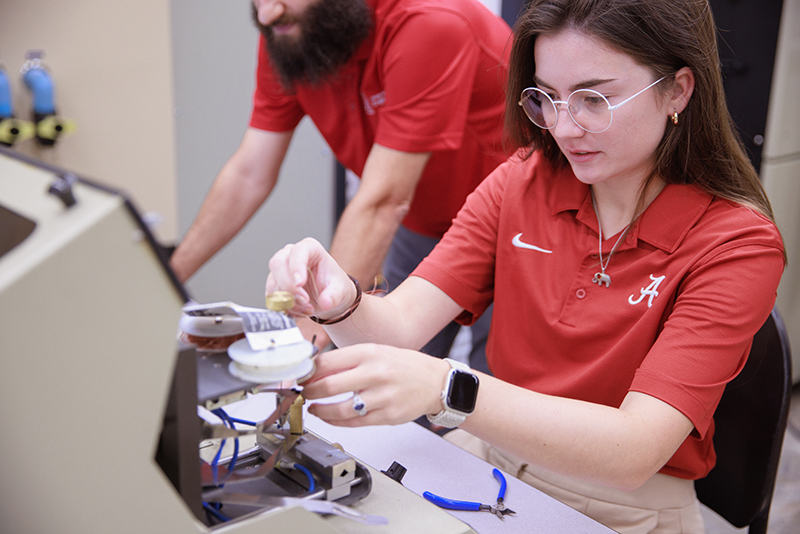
463,392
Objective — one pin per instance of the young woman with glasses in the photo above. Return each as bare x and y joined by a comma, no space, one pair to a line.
629,250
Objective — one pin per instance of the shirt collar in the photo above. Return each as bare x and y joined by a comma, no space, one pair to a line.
664,224
667,220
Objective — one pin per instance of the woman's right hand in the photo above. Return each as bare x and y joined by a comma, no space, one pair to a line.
306,270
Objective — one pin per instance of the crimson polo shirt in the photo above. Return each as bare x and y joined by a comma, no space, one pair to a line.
691,284
429,78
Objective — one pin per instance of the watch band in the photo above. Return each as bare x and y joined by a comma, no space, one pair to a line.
448,417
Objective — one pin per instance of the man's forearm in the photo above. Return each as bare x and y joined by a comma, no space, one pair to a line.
222,215
239,189
371,219
363,237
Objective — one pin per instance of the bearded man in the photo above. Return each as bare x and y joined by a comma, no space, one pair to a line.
409,95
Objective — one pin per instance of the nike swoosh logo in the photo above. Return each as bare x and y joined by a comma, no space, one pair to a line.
517,242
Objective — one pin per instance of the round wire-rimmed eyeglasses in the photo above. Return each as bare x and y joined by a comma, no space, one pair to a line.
589,109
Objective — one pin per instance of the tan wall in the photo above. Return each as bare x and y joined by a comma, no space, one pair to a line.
780,168
111,63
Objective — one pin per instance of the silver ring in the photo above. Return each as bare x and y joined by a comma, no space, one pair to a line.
359,406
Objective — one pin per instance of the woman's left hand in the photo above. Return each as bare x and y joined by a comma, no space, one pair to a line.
396,385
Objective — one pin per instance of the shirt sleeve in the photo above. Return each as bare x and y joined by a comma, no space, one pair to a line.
428,62
705,340
274,109
463,263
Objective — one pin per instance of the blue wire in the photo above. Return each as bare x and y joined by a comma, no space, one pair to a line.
242,421
215,461
235,456
226,419
210,509
308,475
229,422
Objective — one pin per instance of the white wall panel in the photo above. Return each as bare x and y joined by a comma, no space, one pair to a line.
780,168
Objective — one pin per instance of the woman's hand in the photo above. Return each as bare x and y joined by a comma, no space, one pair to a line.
396,385
305,269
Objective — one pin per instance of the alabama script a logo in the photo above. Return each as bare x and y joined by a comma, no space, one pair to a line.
650,291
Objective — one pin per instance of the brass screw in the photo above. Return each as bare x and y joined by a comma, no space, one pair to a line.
280,301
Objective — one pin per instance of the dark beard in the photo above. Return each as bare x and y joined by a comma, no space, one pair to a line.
330,33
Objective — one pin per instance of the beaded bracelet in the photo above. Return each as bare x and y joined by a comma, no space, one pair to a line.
347,313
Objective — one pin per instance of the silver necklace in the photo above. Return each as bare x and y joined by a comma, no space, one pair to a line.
601,277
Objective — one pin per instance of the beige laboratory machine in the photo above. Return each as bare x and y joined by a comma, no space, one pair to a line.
110,423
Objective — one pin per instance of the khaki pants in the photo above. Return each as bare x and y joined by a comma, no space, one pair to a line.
663,505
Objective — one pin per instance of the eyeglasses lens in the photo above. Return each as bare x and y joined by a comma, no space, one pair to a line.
539,108
588,108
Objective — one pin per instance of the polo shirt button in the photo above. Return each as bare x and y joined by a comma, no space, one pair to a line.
581,293
352,105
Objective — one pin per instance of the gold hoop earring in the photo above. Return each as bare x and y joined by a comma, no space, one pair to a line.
675,118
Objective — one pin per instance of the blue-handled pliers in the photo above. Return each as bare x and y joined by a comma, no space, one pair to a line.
498,509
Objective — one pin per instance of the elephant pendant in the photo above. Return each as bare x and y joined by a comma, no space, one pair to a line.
601,278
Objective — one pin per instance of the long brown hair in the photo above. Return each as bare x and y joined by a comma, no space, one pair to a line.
663,35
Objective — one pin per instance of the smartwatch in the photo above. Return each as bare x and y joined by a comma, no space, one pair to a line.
458,396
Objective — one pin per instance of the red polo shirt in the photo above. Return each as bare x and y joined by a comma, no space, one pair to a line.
691,284
429,78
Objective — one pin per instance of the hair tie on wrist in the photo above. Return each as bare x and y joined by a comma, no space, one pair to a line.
347,313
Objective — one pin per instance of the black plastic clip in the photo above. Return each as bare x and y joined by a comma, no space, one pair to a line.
396,472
